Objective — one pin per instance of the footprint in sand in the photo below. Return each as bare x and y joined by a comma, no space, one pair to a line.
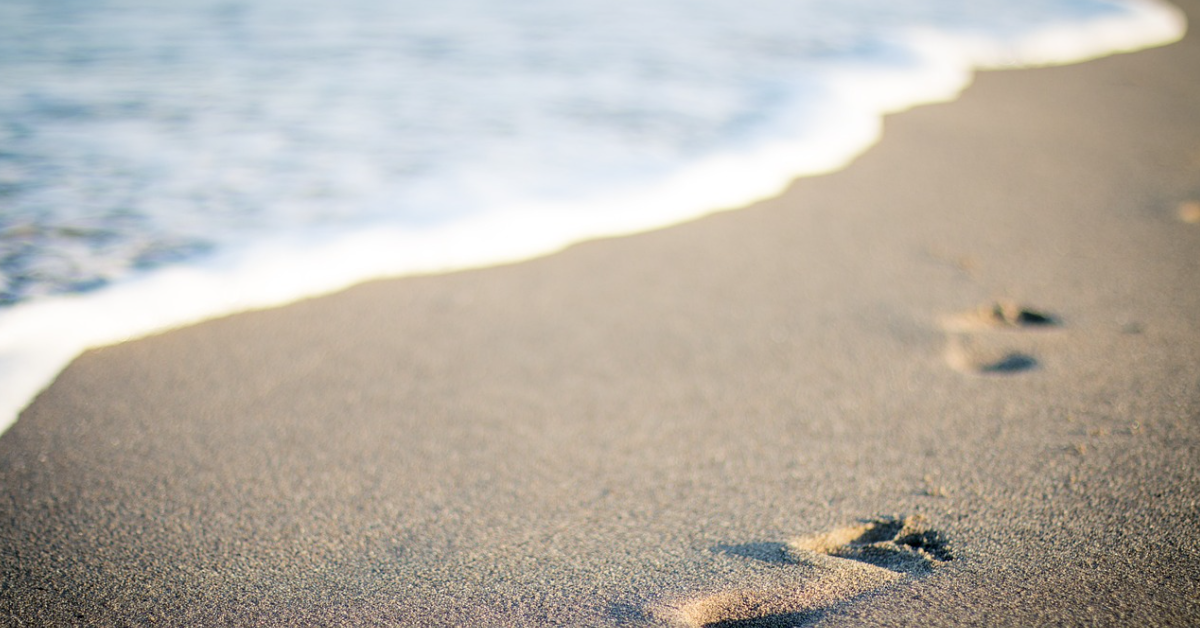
982,341
832,569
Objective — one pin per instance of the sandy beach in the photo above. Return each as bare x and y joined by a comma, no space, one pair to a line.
956,383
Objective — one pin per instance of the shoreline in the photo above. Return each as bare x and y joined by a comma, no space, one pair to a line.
39,338
692,425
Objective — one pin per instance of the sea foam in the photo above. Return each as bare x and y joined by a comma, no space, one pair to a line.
238,236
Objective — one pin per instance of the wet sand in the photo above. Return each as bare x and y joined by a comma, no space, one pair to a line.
957,383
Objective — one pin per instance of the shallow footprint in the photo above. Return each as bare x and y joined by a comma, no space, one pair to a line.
971,355
981,341
834,567
904,545
999,316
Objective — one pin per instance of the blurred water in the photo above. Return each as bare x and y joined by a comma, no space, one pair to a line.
136,133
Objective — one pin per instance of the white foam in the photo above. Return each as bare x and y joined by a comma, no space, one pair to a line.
39,338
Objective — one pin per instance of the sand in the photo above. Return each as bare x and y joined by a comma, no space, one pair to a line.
957,383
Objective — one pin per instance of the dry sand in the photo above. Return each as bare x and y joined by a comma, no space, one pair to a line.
796,413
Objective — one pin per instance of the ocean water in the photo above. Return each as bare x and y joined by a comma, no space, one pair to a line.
166,162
